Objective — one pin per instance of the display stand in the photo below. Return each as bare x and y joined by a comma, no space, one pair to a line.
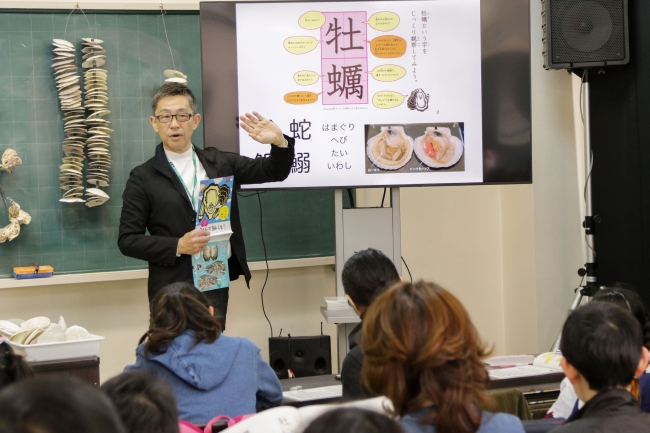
358,229
589,224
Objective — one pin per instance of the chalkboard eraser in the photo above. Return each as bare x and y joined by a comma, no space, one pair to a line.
24,272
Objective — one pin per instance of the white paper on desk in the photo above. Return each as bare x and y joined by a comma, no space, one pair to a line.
288,419
521,371
315,393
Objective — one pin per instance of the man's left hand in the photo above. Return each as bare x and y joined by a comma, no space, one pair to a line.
261,129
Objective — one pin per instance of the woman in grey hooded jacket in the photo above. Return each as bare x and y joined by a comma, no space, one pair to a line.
211,374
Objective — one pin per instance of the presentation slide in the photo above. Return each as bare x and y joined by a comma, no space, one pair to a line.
375,93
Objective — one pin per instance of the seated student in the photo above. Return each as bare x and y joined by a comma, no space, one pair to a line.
144,404
352,420
12,367
365,275
56,403
210,374
567,402
603,351
422,352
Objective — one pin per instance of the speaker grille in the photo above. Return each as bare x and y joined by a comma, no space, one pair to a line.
587,31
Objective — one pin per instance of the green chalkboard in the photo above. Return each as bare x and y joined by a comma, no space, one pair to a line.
72,237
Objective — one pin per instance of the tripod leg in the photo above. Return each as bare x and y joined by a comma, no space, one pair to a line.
575,304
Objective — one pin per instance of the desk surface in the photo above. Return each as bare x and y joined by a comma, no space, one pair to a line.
542,382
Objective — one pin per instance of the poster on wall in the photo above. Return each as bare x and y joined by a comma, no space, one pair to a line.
375,93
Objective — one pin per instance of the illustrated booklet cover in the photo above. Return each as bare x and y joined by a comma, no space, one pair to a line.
210,266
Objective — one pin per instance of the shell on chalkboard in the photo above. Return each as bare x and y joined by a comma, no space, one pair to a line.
10,159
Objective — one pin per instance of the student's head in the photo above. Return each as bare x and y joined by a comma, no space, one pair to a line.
626,298
365,275
602,344
422,350
174,116
57,403
175,309
12,367
352,420
144,404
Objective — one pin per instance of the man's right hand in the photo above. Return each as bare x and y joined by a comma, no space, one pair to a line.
193,242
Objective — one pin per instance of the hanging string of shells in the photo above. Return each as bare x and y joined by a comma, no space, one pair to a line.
83,134
74,127
96,99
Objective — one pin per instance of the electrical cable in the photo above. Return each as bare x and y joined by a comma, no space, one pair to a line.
266,260
383,197
407,268
352,206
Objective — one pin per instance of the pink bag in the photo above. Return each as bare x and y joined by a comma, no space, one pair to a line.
188,427
231,421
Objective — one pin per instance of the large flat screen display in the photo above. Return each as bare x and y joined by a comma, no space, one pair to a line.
399,93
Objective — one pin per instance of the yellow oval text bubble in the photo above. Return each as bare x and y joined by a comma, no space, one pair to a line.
387,99
311,20
300,98
384,21
300,44
388,47
305,78
388,73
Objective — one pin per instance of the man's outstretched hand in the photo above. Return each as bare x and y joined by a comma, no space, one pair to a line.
261,129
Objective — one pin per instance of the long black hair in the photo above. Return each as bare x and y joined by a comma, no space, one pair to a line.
12,367
175,309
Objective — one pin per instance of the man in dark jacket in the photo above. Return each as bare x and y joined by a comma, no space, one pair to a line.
603,351
161,195
365,275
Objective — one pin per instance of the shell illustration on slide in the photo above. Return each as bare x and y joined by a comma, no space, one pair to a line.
437,148
391,149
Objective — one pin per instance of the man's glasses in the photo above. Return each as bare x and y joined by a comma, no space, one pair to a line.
166,118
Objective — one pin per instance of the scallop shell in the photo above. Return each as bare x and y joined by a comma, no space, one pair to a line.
52,334
36,323
20,337
62,324
76,333
214,252
427,160
8,328
33,335
380,160
10,159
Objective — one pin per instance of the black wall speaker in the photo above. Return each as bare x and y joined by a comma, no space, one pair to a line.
585,33
305,356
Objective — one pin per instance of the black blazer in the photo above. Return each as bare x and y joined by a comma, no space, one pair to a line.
155,200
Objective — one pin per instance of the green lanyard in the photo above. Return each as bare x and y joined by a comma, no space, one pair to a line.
192,199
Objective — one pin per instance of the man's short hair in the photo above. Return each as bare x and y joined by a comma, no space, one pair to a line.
173,89
604,343
144,404
366,274
57,403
